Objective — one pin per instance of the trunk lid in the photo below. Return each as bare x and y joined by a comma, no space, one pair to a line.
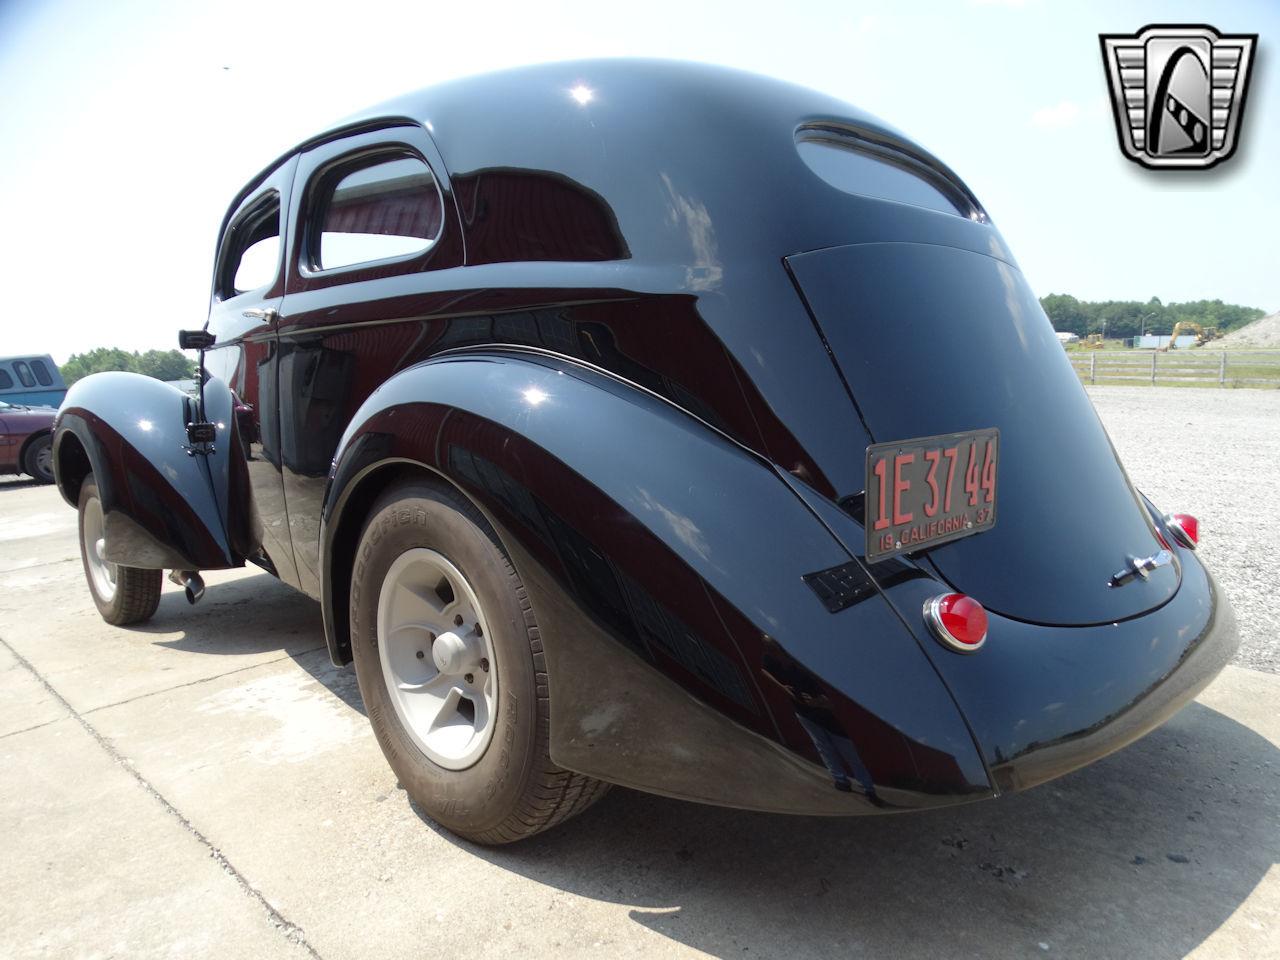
936,340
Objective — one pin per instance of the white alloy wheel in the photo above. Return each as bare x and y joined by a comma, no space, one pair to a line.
101,572
437,661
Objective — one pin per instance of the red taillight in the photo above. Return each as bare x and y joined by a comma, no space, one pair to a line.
1185,529
958,621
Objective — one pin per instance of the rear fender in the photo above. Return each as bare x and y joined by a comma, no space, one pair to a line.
686,652
1043,701
164,507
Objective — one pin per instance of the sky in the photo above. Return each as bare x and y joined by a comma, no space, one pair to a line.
127,127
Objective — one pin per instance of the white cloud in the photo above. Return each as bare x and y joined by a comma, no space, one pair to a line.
1060,115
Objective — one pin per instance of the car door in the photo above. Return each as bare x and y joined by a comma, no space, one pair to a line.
372,221
248,289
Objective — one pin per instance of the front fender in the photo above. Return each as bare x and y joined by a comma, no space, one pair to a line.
160,506
685,651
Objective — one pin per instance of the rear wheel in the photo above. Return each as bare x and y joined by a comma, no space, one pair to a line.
38,460
450,663
123,595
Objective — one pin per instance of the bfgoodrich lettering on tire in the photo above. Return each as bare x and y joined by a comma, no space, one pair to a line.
449,659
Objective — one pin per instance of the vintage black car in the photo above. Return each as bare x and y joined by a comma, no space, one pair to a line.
661,425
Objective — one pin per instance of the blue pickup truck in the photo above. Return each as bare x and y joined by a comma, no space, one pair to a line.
32,381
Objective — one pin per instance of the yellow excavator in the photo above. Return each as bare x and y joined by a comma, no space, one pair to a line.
1203,334
1093,342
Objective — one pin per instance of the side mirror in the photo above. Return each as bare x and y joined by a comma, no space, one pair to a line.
196,339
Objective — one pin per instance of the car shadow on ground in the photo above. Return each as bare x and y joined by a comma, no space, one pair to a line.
1144,854
252,615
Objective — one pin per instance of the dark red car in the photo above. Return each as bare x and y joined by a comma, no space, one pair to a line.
26,435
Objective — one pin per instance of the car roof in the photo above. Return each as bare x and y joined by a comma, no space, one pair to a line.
650,140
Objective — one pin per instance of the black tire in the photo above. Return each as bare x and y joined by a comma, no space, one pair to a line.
512,790
137,592
37,461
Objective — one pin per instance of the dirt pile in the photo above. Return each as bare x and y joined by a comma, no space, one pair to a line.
1260,333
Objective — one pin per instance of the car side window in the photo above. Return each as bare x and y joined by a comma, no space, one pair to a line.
388,208
253,257
24,373
42,373
6,381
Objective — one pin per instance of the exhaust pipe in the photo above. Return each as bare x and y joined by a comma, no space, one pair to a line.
191,581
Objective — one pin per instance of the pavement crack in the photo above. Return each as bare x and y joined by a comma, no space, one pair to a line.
291,931
14,733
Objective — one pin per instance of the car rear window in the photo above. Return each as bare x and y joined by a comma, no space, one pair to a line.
6,381
867,170
391,208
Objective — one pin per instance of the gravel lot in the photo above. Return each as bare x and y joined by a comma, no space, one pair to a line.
1216,455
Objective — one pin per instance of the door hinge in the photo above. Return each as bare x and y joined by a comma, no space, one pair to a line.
200,437
196,339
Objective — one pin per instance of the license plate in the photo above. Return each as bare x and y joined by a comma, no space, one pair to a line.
930,490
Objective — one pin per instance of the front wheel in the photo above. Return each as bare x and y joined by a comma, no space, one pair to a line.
123,595
450,664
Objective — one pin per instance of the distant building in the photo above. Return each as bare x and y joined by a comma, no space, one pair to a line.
1064,337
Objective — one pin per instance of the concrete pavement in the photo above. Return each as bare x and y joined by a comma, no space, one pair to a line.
208,786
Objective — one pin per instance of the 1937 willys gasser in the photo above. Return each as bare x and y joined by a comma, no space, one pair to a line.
661,425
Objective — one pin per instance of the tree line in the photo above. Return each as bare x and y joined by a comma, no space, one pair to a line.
1128,318
161,364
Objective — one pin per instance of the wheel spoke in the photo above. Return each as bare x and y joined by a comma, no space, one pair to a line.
459,608
409,630
436,685
446,713
413,603
408,648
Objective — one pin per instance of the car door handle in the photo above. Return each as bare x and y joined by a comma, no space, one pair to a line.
265,314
